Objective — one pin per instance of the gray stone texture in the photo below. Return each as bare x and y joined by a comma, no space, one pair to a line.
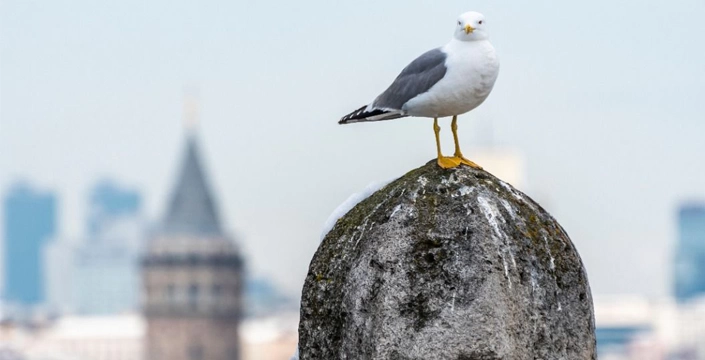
447,264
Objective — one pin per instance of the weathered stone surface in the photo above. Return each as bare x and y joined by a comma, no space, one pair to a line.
447,264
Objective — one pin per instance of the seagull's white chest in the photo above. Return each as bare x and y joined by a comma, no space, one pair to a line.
472,69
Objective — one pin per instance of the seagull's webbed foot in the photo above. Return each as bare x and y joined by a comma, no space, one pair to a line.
462,160
448,162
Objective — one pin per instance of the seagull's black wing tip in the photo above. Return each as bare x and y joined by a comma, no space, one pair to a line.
361,115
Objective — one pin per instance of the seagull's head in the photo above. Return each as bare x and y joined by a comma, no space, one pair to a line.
470,26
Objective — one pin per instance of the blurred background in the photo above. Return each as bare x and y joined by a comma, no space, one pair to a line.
166,166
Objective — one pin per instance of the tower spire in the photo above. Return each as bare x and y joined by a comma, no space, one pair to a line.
192,208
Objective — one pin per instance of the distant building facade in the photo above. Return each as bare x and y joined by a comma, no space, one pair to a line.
30,220
632,327
107,264
116,337
690,252
192,276
108,277
101,274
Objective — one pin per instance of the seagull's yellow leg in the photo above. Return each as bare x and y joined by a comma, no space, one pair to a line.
459,155
443,161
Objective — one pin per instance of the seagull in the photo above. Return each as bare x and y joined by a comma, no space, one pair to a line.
446,81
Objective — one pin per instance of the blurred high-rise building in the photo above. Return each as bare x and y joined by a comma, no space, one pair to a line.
109,203
108,263
30,220
99,275
192,275
690,252
107,271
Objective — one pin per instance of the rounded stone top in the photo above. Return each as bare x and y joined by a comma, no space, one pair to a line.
447,264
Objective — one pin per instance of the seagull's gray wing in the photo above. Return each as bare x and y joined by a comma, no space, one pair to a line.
416,79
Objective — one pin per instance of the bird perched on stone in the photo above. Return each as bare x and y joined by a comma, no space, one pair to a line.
447,81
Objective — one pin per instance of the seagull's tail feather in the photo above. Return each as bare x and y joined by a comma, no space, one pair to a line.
364,114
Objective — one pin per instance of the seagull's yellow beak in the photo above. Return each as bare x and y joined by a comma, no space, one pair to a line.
469,29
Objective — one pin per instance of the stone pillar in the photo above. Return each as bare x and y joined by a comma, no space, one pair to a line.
447,264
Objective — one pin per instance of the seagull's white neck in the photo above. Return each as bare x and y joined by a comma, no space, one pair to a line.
454,43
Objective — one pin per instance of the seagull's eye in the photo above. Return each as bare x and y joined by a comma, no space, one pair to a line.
480,22
460,23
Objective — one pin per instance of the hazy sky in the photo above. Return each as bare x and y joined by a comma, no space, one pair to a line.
603,98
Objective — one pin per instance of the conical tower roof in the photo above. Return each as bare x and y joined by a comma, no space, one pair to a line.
192,210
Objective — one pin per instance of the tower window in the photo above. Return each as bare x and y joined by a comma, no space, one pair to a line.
193,296
216,294
171,294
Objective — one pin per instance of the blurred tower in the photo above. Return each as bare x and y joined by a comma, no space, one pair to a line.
30,220
690,252
192,276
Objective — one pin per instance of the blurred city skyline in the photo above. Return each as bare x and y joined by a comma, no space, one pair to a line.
601,99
